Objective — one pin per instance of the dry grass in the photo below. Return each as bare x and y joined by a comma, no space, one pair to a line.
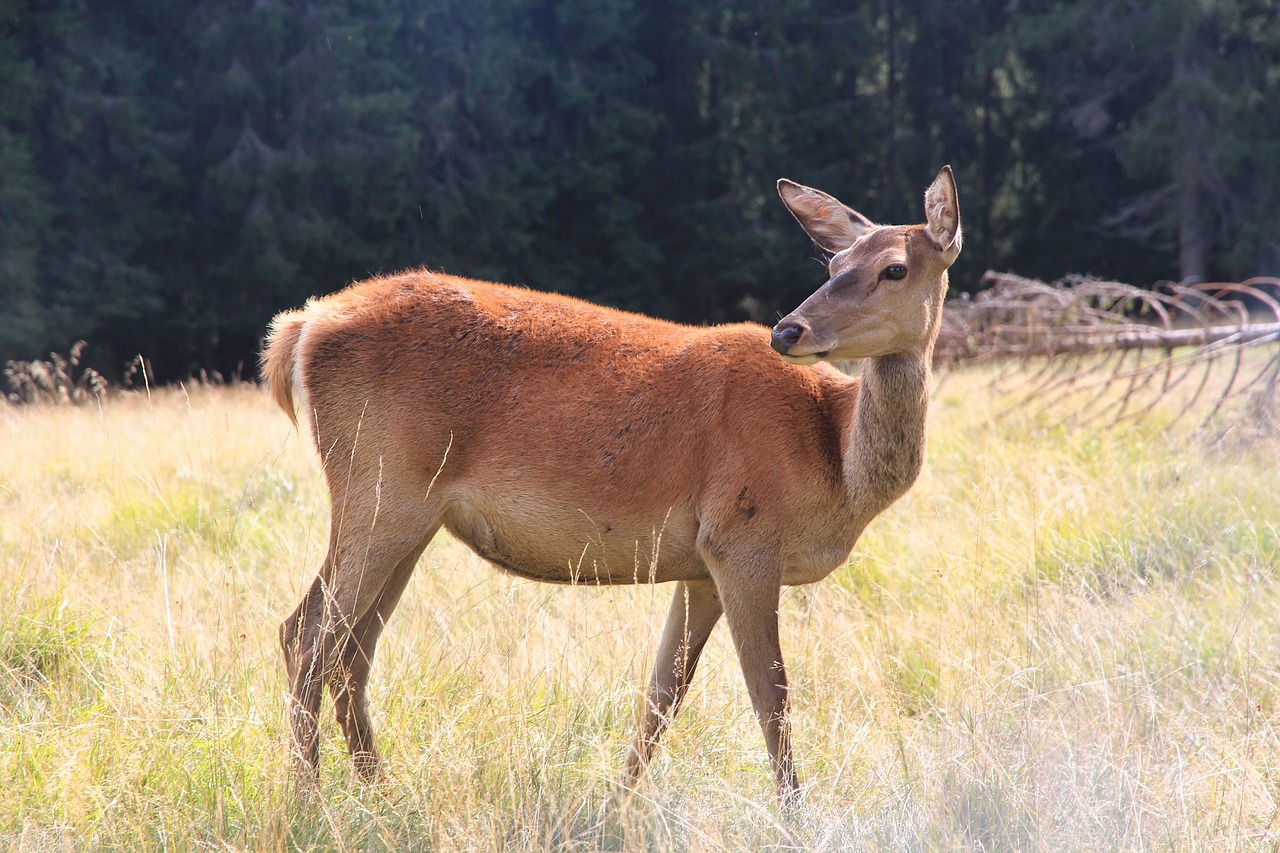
1063,639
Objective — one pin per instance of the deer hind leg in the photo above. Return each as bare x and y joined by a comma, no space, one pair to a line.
695,609
365,551
350,680
301,628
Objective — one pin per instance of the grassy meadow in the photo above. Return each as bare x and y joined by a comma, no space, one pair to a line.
1064,638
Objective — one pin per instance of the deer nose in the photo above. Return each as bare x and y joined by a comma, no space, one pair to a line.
786,335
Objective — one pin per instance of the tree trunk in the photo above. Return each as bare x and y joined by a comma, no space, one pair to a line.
1192,245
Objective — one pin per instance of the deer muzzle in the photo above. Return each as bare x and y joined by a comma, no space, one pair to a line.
786,336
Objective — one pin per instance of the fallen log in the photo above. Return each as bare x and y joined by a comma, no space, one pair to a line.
1129,348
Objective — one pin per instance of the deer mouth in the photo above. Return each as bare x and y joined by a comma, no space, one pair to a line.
787,335
809,358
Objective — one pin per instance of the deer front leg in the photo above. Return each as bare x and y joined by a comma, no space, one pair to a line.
749,591
695,609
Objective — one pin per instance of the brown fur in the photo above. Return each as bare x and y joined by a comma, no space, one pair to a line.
572,443
278,358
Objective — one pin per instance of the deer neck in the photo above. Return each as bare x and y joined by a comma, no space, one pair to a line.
885,446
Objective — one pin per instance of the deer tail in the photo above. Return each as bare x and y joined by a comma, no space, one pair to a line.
280,359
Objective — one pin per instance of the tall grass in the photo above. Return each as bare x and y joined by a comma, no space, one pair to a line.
1061,639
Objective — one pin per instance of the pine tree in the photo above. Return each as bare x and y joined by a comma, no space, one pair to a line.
25,197
1175,107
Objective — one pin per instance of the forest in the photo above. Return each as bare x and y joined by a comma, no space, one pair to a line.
175,173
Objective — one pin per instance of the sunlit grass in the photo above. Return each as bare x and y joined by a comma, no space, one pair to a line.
1064,638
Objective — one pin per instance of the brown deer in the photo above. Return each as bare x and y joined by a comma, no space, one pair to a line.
571,443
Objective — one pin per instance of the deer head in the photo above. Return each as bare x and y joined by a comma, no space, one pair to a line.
887,283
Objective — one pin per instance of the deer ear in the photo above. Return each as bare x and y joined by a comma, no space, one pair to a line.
942,212
832,226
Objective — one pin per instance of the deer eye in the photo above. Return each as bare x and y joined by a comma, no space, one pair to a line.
895,272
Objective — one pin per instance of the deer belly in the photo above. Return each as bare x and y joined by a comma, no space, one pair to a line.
559,548
815,563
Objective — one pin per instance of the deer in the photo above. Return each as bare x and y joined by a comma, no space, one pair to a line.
572,443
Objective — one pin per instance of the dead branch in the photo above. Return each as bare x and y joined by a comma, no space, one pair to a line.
1114,351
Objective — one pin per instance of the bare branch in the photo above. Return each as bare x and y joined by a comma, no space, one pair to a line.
1114,351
